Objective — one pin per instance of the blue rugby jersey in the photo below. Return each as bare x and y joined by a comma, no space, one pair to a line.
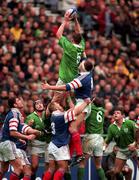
59,125
11,122
82,85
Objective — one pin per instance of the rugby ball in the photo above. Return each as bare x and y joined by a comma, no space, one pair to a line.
72,12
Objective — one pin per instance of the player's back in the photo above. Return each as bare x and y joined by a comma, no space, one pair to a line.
87,85
70,60
60,133
94,123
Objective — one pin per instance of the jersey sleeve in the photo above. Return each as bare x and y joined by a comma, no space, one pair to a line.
64,43
14,121
109,136
25,128
69,116
75,84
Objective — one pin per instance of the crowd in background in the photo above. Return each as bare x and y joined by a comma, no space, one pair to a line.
29,53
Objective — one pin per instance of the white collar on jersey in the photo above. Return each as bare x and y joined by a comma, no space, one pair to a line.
77,45
116,123
16,110
84,73
57,113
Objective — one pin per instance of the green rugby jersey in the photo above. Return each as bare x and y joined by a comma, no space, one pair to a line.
39,124
94,123
68,69
123,136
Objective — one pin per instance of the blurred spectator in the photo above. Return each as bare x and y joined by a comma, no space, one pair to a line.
16,31
29,52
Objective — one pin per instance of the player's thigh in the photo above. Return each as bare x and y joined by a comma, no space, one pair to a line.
63,164
34,160
23,157
52,165
119,164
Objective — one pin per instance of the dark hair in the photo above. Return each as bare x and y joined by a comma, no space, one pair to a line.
34,103
77,38
11,102
98,102
119,108
88,65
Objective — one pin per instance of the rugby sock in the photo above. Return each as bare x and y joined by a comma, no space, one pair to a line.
47,175
26,177
67,176
14,176
59,174
101,174
76,140
80,173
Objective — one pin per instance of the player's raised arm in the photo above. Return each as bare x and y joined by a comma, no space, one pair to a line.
46,86
78,109
77,26
62,26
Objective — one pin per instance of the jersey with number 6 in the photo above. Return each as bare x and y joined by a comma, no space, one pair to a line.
70,60
94,123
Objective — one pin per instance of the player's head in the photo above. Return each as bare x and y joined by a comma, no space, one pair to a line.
86,66
15,102
118,113
76,38
54,106
98,102
38,105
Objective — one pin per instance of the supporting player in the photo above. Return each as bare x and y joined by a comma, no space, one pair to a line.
82,85
58,147
93,140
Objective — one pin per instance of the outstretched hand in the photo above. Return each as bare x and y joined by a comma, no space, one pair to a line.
45,85
67,17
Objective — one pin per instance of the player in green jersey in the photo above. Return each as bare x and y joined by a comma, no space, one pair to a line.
124,133
93,140
73,50
37,120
